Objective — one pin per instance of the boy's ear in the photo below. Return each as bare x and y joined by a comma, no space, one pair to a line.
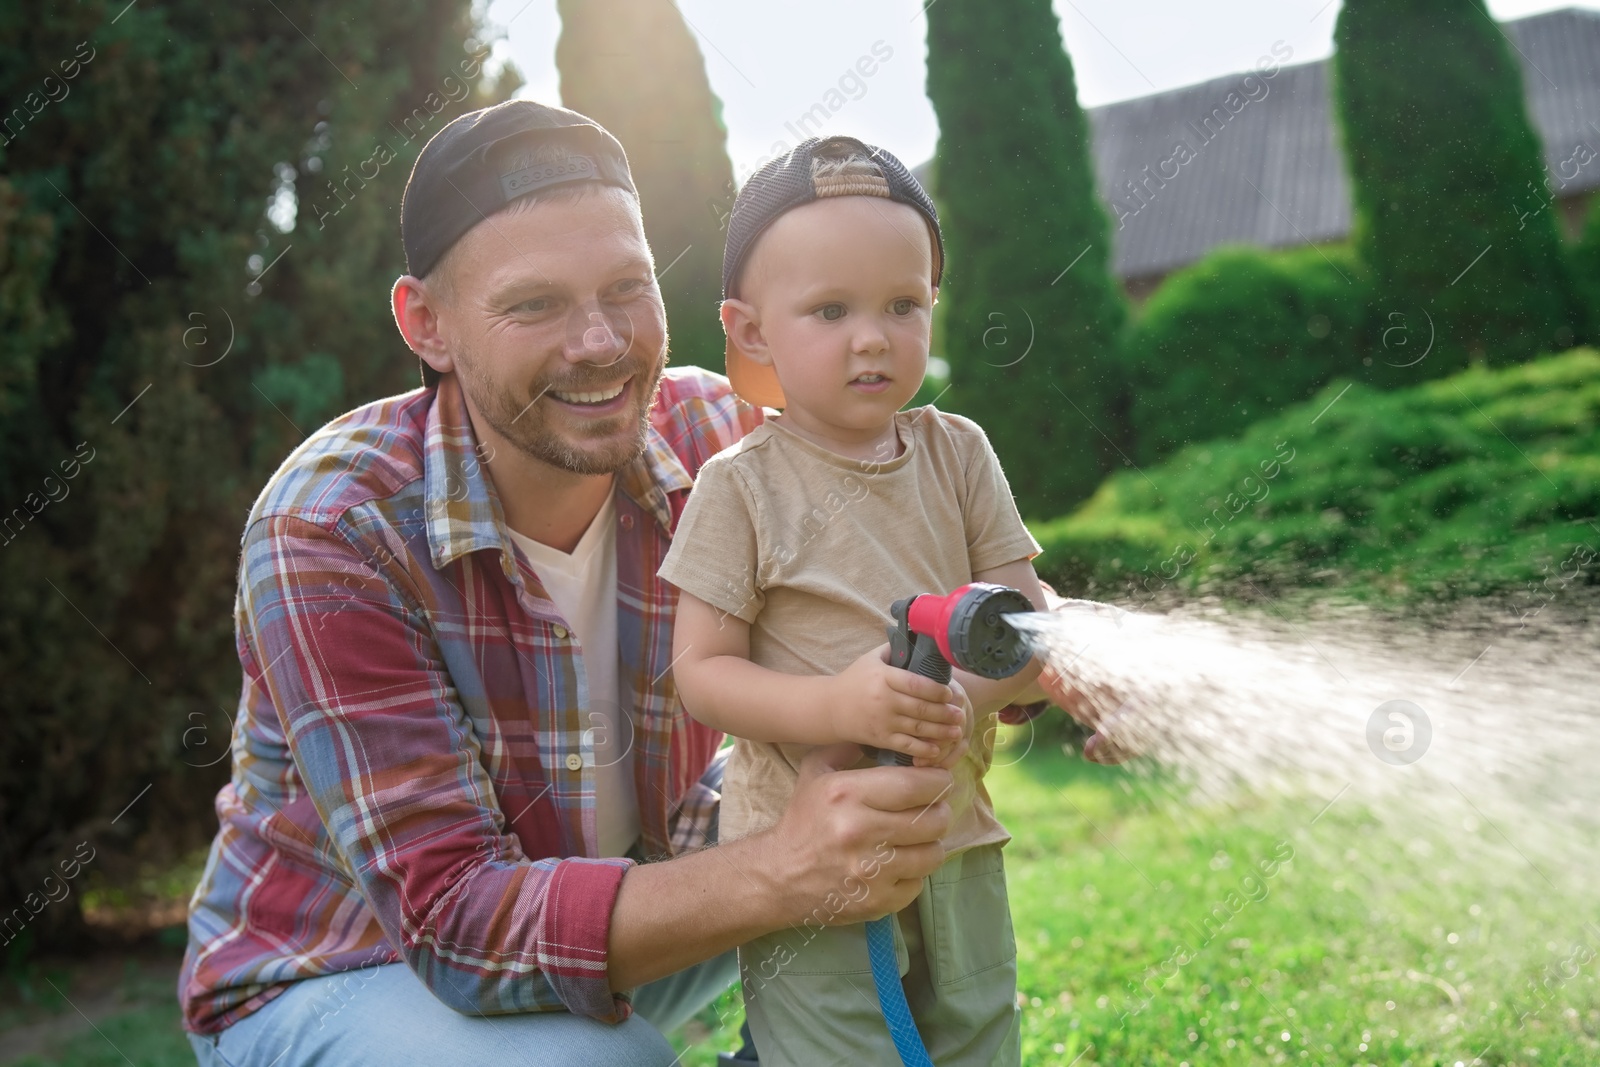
742,324
936,294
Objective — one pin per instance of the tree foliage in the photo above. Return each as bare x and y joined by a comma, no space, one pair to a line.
634,67
1585,258
1449,189
1031,314
198,229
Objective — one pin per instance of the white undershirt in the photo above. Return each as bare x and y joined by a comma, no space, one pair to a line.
583,586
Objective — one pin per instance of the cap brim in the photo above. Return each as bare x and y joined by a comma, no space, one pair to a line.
755,383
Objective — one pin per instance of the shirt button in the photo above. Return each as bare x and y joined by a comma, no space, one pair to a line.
560,631
627,522
574,762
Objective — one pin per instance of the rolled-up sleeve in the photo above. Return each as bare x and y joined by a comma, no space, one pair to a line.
388,756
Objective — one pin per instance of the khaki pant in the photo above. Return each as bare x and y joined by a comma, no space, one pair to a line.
810,998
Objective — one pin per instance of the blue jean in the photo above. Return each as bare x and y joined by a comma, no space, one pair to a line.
388,1018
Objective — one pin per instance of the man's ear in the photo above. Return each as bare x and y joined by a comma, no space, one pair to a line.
418,322
742,323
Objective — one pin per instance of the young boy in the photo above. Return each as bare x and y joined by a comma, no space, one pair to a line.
791,549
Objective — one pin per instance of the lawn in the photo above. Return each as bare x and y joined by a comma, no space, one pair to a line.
1150,931
1157,933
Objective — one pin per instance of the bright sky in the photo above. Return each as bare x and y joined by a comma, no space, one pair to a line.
770,63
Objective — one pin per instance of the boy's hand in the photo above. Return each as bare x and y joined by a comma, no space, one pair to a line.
888,707
951,751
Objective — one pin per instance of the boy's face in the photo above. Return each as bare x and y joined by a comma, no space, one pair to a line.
838,298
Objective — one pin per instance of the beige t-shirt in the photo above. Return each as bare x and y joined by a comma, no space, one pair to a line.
811,548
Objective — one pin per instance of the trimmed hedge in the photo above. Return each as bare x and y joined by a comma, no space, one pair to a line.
1476,483
1238,336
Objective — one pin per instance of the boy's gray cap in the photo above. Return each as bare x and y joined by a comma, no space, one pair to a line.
783,184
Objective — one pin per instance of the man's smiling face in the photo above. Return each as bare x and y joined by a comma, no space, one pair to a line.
555,327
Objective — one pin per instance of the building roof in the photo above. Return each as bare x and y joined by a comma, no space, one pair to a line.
1283,142
1266,167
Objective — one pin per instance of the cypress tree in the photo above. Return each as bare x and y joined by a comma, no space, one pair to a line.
1585,259
198,227
1031,314
1452,210
634,67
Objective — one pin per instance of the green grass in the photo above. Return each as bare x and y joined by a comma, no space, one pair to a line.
1112,880
134,1009
147,1038
1422,954
1352,942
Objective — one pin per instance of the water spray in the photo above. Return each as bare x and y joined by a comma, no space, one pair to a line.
1449,756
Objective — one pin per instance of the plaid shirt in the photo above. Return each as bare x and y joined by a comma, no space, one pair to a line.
412,775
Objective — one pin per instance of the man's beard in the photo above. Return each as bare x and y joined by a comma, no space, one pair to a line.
522,420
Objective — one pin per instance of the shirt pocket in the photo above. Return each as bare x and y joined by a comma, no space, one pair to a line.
969,916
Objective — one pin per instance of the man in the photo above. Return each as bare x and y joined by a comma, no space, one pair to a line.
458,737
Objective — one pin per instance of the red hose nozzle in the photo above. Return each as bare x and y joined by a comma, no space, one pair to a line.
970,628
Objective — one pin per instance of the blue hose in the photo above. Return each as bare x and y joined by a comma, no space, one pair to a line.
892,995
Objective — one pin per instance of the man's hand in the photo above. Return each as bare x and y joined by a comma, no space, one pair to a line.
1086,707
888,707
855,845
1090,708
